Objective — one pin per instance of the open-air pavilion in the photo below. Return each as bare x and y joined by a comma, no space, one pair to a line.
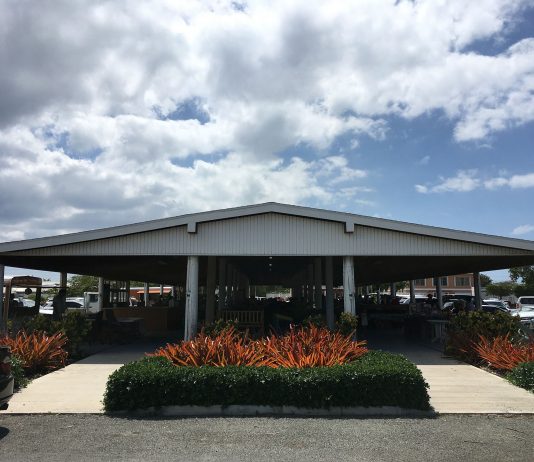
225,252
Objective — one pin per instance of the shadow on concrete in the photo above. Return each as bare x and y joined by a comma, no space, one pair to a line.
394,341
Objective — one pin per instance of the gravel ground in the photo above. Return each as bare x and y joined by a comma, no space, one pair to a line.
92,437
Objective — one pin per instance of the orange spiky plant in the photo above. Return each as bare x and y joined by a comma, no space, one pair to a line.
38,351
229,348
500,353
311,347
300,347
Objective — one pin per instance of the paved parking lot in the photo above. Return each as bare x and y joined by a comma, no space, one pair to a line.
96,437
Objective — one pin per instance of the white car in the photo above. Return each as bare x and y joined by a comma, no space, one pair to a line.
47,308
498,303
525,301
526,316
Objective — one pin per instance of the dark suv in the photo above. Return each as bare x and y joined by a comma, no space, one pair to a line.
6,378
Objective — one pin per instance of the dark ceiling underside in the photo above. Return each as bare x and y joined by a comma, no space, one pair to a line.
283,270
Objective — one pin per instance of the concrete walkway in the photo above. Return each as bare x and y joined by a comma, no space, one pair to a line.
456,387
77,388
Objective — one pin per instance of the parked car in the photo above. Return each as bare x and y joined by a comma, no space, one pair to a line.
47,308
71,305
6,377
525,301
526,316
496,302
494,308
418,299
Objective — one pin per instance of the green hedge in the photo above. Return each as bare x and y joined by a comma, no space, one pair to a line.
376,379
523,375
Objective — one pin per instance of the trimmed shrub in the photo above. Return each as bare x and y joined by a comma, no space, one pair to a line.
74,325
501,354
376,379
317,320
38,351
347,323
523,375
466,328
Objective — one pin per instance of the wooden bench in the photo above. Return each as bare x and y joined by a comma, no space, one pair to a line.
247,319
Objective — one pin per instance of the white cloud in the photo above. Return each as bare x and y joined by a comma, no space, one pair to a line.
468,180
421,188
423,160
464,181
112,111
495,183
522,181
523,229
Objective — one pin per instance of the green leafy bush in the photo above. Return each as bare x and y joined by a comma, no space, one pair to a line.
347,323
316,320
376,379
466,328
18,372
220,326
523,375
74,326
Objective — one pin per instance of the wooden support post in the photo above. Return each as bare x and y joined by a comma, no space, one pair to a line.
63,280
191,298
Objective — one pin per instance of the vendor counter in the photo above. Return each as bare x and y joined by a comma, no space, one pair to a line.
153,319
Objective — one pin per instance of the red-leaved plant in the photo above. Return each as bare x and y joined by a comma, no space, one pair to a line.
300,347
311,347
501,354
38,351
228,348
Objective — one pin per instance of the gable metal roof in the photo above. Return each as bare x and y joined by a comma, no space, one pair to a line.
192,220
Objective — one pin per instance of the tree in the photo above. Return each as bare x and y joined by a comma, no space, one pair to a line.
485,280
500,289
523,273
79,284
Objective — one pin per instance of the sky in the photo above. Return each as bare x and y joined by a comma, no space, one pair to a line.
113,112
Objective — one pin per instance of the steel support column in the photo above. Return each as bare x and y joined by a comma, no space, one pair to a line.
349,288
146,293
210,289
318,273
478,290
191,300
100,294
222,283
329,276
2,283
439,293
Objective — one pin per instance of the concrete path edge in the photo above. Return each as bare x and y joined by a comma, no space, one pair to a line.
272,411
